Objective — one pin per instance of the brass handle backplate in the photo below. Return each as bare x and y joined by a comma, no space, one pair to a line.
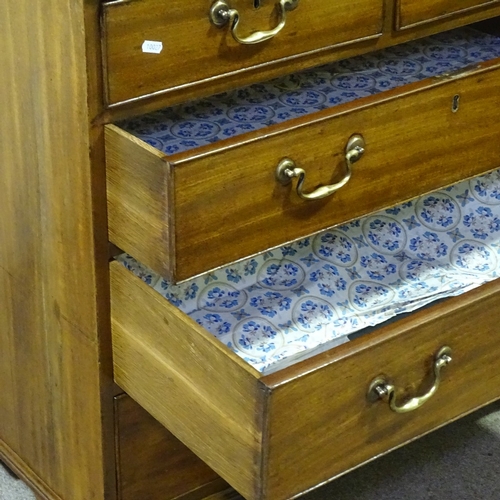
287,170
380,388
221,14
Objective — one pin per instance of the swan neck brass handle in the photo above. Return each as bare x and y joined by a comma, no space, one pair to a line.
288,169
380,388
221,14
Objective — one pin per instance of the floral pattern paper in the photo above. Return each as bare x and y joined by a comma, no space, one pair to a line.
213,119
288,303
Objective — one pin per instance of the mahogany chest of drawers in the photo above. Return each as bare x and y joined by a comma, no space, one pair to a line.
78,332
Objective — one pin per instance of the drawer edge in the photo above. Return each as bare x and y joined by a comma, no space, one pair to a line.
139,188
187,369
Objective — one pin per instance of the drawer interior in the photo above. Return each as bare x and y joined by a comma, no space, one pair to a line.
291,303
275,436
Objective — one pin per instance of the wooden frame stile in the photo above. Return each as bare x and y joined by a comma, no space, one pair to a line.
96,107
55,363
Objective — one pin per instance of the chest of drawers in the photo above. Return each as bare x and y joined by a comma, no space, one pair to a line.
68,92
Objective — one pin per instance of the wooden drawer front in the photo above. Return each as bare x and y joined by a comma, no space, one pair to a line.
152,463
273,437
189,213
411,13
195,51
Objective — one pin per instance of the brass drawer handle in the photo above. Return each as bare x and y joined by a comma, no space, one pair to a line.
381,389
287,170
222,14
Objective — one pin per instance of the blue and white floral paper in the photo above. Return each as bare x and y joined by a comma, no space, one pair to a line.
289,303
210,120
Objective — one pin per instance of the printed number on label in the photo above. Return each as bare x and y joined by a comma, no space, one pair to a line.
151,47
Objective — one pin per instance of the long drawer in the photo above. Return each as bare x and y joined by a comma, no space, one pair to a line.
189,48
275,436
189,212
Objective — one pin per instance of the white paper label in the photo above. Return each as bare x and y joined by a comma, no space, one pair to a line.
151,47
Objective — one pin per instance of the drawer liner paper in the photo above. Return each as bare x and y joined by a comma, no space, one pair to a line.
305,297
189,126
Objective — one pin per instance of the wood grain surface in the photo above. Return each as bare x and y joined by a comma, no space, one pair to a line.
339,428
191,383
152,463
292,430
246,74
224,206
53,262
411,13
56,390
139,193
196,50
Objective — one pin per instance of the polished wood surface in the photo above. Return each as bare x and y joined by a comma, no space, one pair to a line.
152,463
139,187
56,393
194,50
411,13
306,424
246,75
339,428
225,207
187,380
55,423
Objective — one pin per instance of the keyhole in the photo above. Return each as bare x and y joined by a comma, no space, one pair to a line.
256,4
456,103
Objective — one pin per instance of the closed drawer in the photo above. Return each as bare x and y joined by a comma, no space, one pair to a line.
411,13
152,463
274,436
191,211
195,51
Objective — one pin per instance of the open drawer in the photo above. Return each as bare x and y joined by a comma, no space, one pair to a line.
275,436
195,187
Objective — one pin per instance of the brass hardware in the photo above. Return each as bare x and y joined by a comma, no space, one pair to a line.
380,388
456,103
287,170
222,14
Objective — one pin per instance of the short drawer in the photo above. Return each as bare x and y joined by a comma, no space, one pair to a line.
192,50
191,211
411,13
275,436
